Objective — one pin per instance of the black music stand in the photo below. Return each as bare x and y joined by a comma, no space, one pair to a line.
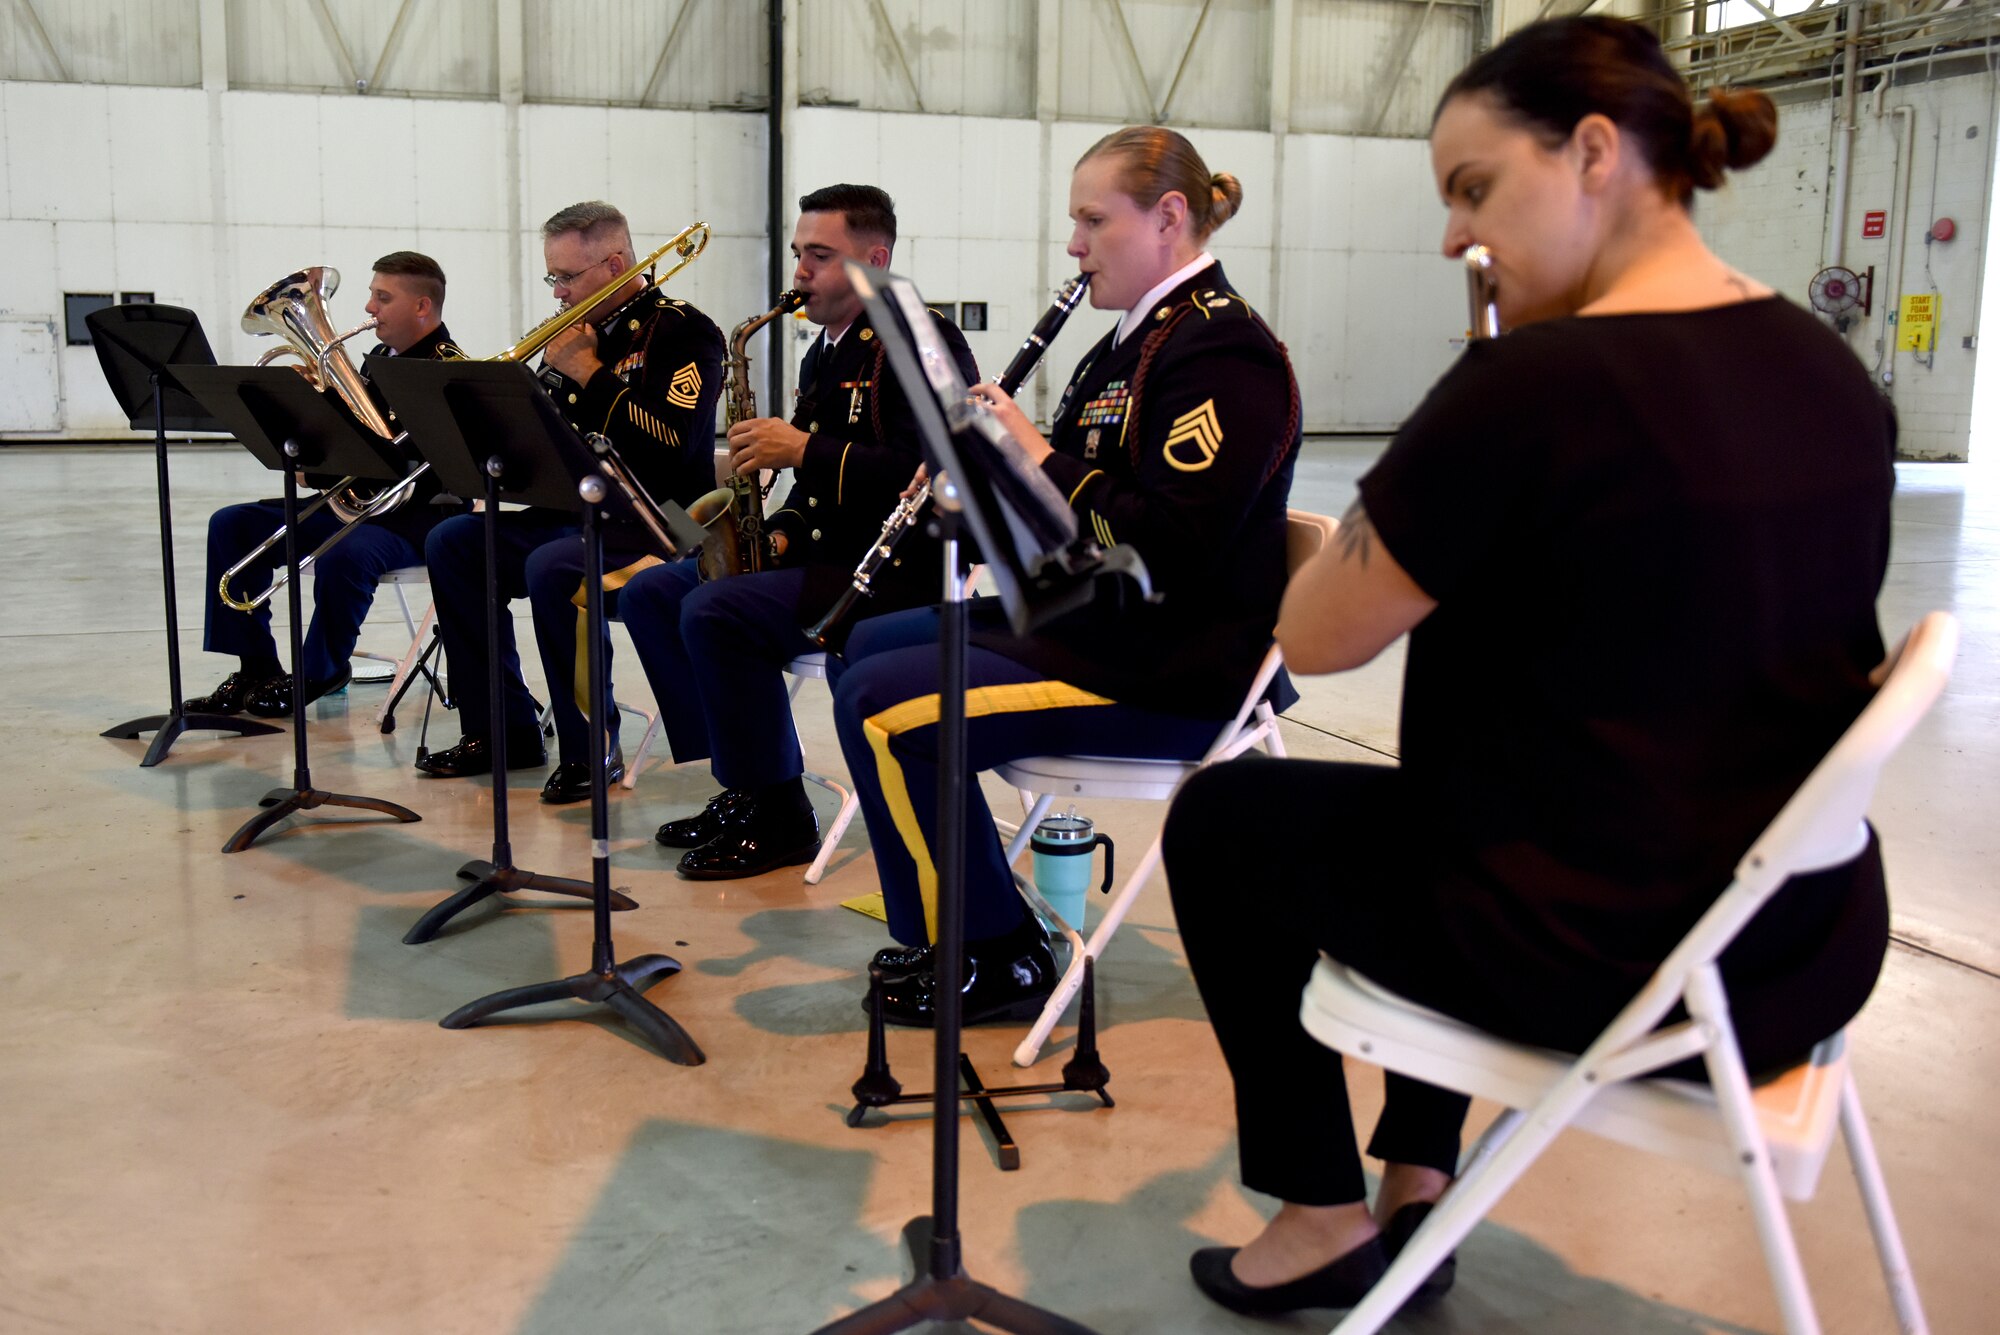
135,345
1029,538
490,426
291,427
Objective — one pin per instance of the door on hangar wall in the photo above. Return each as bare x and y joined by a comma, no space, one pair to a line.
30,387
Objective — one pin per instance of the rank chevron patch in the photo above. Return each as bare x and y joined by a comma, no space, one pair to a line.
684,391
1195,438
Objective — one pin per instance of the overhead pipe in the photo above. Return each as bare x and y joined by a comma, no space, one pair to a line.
774,205
1843,148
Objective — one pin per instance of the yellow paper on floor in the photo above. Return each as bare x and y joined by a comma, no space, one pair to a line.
868,906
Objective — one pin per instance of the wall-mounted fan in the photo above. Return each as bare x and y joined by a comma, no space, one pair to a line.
1840,292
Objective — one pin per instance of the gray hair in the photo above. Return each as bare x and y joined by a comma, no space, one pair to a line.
596,220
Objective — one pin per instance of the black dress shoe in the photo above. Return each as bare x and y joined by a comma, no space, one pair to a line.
896,960
1402,1227
754,840
696,830
570,781
228,698
274,698
1341,1282
1007,978
473,755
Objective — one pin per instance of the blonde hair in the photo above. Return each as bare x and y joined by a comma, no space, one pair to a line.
1155,160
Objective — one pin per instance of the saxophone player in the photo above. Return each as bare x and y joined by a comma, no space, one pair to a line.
715,652
642,368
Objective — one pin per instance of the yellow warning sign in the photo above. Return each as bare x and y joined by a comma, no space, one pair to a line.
1916,326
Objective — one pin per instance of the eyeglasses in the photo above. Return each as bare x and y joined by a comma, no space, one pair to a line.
569,279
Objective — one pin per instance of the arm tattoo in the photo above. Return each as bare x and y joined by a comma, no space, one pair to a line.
1357,534
1737,281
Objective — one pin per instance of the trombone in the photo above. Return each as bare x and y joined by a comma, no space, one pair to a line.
300,327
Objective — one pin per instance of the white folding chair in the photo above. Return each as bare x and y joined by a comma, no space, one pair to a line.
419,633
1043,779
812,667
1775,1138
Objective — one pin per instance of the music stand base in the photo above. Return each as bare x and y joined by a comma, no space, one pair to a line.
167,729
489,879
620,988
953,1297
282,802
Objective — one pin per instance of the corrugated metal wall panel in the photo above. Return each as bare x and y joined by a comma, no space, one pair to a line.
964,57
1344,54
447,48
1228,77
282,46
146,42
609,51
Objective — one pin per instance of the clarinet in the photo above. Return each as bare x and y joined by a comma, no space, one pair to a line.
908,508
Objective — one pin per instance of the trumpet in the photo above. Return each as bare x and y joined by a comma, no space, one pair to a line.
904,516
1482,292
286,309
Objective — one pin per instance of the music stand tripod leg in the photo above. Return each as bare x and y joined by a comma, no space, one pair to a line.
615,986
167,728
302,796
496,875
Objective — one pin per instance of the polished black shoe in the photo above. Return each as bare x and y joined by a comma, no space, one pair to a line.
570,781
1341,1282
274,698
1401,1228
1008,978
754,840
472,756
696,830
228,698
898,960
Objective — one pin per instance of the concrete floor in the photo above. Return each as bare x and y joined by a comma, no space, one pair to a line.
228,1106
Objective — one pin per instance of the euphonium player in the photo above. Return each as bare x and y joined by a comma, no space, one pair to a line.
715,652
406,300
1636,542
645,370
1177,435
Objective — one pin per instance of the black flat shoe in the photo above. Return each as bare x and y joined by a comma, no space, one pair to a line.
570,781
1401,1228
473,756
696,830
1341,1282
228,698
274,698
1007,979
895,960
754,841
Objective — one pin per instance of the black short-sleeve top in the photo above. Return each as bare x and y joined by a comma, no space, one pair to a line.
1655,541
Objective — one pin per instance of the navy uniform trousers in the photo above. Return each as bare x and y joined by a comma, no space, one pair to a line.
715,654
885,708
343,584
456,555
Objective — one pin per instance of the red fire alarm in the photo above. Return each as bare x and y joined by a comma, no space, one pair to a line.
1874,222
1944,229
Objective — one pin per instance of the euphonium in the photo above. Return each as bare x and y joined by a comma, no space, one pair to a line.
1482,292
294,308
733,513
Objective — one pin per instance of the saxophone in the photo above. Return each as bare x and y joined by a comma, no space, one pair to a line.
909,508
733,513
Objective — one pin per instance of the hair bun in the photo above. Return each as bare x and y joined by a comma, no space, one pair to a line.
1733,129
1225,197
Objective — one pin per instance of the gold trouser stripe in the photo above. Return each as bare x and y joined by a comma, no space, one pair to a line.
922,712
579,683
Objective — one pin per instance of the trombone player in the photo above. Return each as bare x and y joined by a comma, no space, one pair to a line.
406,301
643,369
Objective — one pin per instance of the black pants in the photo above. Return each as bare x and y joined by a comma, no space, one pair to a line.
1272,861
